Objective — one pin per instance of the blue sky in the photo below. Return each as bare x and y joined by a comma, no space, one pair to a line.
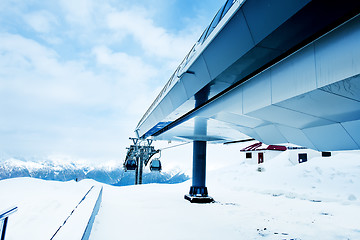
76,76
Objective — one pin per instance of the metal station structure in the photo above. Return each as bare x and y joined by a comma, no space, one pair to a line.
271,70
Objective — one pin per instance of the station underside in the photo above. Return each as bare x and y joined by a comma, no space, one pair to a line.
311,98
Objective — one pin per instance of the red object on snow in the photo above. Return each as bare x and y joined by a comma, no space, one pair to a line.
256,146
276,147
251,147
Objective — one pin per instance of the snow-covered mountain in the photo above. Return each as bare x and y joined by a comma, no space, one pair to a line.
66,170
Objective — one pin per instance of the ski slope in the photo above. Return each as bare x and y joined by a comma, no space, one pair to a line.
319,199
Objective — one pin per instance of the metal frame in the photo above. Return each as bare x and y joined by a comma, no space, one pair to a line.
142,152
4,216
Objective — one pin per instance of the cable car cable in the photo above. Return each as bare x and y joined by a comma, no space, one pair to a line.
174,146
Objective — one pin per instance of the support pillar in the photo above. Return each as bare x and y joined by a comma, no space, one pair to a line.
141,166
137,171
198,192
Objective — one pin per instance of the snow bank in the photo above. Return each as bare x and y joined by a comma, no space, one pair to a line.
335,178
79,222
42,205
313,200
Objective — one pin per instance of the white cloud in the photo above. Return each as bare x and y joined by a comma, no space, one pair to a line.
154,40
85,88
79,11
131,67
41,75
54,105
41,21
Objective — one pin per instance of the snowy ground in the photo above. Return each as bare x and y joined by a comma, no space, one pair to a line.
315,200
42,205
319,199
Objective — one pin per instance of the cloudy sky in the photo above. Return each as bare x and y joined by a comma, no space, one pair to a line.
77,75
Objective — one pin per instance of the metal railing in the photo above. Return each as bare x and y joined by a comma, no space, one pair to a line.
4,216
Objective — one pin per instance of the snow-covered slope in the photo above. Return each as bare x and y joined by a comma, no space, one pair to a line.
335,178
318,199
42,205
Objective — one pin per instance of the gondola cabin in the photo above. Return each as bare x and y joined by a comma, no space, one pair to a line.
130,165
155,165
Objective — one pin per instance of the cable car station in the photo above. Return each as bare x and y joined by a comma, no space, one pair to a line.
271,70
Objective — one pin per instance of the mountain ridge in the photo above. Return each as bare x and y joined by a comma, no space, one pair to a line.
112,174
